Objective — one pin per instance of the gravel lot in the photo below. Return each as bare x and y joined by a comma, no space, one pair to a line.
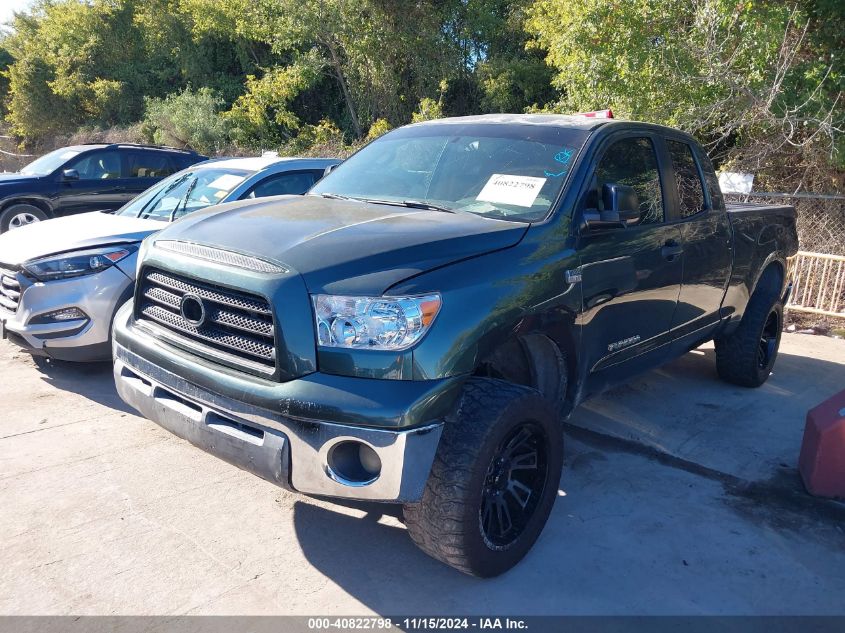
679,496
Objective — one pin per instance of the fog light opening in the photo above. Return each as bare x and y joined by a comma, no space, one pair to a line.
57,316
353,463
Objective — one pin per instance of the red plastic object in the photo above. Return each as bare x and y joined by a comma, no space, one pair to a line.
822,460
596,114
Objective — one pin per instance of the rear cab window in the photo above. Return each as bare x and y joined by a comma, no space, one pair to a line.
714,191
687,179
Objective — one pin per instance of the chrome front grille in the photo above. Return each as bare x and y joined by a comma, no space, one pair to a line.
235,327
10,290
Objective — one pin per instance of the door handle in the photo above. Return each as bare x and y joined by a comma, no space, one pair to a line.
671,249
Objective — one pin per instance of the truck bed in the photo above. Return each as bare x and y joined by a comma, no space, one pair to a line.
759,207
760,231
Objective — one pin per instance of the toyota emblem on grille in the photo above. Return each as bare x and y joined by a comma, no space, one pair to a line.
192,309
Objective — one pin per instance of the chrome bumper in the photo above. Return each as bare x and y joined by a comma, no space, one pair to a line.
288,452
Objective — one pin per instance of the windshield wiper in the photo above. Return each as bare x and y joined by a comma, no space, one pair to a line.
411,204
184,201
159,196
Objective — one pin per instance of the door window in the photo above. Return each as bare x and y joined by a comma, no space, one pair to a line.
149,165
712,182
292,183
687,179
633,162
98,166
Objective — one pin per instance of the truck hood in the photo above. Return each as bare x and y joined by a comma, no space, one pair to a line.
74,232
345,246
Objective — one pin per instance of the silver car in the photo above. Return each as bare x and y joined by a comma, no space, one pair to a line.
61,281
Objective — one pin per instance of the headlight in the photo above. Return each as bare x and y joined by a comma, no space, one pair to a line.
385,323
77,263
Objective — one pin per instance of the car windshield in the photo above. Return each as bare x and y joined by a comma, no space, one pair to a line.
185,192
507,171
49,163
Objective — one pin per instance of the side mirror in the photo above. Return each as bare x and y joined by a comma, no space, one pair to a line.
70,174
621,202
621,209
330,169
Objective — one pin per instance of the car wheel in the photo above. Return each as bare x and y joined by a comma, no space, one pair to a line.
494,479
19,215
747,356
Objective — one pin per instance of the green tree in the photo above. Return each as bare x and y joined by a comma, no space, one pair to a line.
261,117
380,127
736,74
188,119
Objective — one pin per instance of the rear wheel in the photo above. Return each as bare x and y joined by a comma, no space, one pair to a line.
494,479
747,356
19,215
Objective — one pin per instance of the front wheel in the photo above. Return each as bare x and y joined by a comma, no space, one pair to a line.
19,215
493,482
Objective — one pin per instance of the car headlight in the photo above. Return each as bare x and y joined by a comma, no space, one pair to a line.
77,263
379,323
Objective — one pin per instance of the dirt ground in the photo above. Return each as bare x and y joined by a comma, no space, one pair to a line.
679,496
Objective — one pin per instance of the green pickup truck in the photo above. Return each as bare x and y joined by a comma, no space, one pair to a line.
416,328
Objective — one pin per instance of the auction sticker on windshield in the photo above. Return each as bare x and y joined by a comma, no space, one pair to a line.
521,191
226,182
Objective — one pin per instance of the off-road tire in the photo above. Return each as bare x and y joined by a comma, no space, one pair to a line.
447,523
738,355
9,213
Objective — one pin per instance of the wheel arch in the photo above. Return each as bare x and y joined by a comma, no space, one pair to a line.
537,357
37,202
772,275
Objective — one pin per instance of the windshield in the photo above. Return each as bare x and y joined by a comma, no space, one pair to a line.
509,171
49,163
185,192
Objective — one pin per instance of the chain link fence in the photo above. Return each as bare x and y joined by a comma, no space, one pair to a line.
821,218
818,271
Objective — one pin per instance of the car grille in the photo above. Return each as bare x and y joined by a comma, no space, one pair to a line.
10,290
235,327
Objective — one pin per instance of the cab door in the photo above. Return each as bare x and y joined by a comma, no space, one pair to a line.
706,234
630,275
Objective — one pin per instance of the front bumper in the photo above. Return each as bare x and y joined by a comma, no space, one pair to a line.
98,296
288,452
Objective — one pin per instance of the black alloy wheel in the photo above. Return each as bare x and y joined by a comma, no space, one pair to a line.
513,485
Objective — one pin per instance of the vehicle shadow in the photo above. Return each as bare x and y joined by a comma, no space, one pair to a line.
370,557
91,380
684,410
622,513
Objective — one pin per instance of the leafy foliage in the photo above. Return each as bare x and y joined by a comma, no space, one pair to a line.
187,119
261,116
761,82
378,128
739,75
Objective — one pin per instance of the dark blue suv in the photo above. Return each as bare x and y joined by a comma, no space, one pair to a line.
92,177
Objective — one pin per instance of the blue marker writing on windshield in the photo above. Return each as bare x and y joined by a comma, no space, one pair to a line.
563,157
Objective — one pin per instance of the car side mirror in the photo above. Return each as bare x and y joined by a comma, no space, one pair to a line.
621,208
70,174
329,169
621,203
